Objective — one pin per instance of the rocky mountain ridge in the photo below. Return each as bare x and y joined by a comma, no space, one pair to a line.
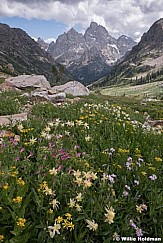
89,56
144,63
20,54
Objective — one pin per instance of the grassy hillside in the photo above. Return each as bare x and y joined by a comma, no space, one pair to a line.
154,89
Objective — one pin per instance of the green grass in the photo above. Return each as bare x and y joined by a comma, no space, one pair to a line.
138,91
2,80
11,102
73,159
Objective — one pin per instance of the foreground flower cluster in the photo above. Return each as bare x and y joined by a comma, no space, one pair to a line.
88,174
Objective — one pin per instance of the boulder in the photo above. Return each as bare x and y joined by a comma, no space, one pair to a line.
45,96
6,120
60,97
41,95
29,81
73,88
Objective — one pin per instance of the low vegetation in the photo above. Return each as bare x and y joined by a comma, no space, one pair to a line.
148,90
84,172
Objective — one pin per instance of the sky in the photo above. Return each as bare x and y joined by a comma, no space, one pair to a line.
49,18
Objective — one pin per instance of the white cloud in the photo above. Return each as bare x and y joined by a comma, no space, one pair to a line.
49,40
118,16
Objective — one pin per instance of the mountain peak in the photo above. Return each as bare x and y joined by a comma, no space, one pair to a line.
93,24
72,31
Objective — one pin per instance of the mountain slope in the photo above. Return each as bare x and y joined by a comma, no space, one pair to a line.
23,54
143,63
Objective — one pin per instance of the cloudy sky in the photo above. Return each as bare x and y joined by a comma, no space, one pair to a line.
50,18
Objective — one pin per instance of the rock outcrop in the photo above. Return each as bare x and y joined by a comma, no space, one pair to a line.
73,88
29,81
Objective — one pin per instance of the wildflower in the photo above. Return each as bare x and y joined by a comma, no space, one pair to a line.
136,182
65,224
71,203
14,173
21,222
5,186
67,133
113,192
47,129
53,171
20,127
59,219
111,178
87,138
17,199
68,215
86,125
78,181
158,159
132,224
143,173
32,140
125,193
128,187
50,211
20,182
78,207
116,237
139,232
55,203
71,226
79,197
110,215
92,225
87,183
153,177
48,191
77,173
2,238
54,229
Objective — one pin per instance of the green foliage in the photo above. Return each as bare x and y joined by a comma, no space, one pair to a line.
11,102
92,160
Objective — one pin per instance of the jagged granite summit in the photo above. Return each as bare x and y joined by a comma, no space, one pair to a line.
144,63
89,56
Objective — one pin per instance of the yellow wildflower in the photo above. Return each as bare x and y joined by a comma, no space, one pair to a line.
20,182
65,224
158,159
59,219
68,215
14,173
17,199
2,238
143,173
21,222
50,211
110,215
5,186
70,226
120,150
